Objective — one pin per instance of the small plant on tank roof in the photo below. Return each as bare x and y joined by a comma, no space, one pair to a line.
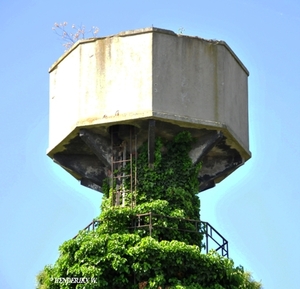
73,34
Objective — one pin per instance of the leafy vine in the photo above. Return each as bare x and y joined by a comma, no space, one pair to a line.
117,256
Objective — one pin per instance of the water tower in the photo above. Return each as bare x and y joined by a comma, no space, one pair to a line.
109,95
112,100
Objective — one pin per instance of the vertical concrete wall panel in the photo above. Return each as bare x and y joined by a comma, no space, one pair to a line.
64,97
184,77
119,70
233,95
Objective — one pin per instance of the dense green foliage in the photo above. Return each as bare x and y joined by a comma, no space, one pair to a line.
117,256
117,260
173,176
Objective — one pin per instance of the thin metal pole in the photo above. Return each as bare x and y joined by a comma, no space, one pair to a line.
131,192
151,142
112,178
206,236
123,175
135,171
150,227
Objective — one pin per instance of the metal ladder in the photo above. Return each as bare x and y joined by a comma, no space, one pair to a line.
123,175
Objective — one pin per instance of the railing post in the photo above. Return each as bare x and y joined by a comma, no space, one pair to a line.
206,236
150,225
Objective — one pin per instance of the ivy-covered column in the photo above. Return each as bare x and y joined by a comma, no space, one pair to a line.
154,244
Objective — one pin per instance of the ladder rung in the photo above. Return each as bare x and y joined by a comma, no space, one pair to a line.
122,161
122,177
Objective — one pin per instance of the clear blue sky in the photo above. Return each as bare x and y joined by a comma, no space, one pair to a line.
257,208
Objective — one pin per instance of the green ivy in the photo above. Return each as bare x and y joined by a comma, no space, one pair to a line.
126,260
173,177
118,255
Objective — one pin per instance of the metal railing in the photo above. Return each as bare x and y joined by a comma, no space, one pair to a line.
211,237
211,234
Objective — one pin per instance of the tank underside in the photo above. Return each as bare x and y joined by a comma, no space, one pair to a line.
88,155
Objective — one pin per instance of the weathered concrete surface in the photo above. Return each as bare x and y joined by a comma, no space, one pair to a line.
182,82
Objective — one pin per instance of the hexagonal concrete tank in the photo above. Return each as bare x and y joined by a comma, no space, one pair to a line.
145,83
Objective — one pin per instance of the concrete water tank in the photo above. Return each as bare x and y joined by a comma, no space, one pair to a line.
159,83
